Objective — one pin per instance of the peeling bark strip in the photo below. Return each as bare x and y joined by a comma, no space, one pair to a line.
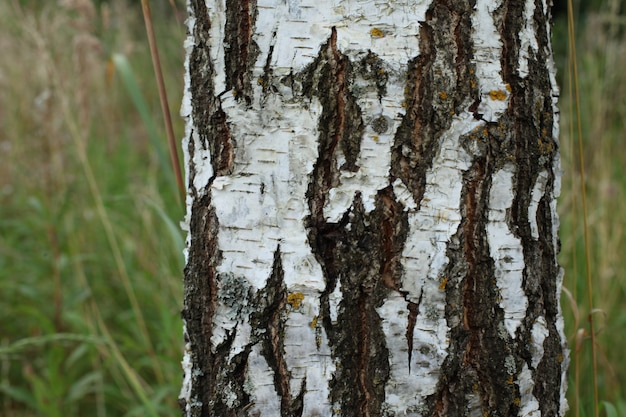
371,210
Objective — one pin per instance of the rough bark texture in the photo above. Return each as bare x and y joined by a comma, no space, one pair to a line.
371,210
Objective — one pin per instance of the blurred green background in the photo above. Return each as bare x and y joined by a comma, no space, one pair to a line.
90,244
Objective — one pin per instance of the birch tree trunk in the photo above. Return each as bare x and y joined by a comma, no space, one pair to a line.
371,210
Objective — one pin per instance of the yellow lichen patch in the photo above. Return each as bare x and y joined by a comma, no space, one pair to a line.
443,95
545,147
314,322
375,138
497,95
443,283
517,402
510,380
508,88
377,33
295,299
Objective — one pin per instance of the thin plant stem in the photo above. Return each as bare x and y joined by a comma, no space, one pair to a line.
583,192
156,63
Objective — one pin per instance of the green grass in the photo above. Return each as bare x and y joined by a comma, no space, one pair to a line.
90,247
601,57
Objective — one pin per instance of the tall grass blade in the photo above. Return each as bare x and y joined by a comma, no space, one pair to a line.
609,409
156,63
583,192
124,69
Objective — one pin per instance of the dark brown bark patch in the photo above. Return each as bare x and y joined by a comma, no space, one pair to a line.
208,117
440,81
270,318
199,305
240,51
394,225
373,70
340,125
357,339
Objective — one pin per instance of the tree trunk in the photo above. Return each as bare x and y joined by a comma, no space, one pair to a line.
371,210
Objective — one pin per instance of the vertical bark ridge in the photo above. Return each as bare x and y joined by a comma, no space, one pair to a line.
394,224
199,307
360,352
438,86
240,50
271,318
345,249
208,117
535,151
488,349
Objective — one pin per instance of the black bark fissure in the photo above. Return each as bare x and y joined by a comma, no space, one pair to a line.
240,51
199,306
357,338
548,374
360,252
266,78
440,82
208,117
271,317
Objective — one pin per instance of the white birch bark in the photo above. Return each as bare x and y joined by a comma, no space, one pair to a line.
372,228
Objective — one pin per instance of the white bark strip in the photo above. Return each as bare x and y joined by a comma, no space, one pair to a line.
487,53
529,406
537,194
423,260
261,204
506,250
303,333
388,30
185,391
260,385
528,38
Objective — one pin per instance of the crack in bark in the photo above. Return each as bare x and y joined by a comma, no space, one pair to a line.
364,353
414,310
271,317
266,78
